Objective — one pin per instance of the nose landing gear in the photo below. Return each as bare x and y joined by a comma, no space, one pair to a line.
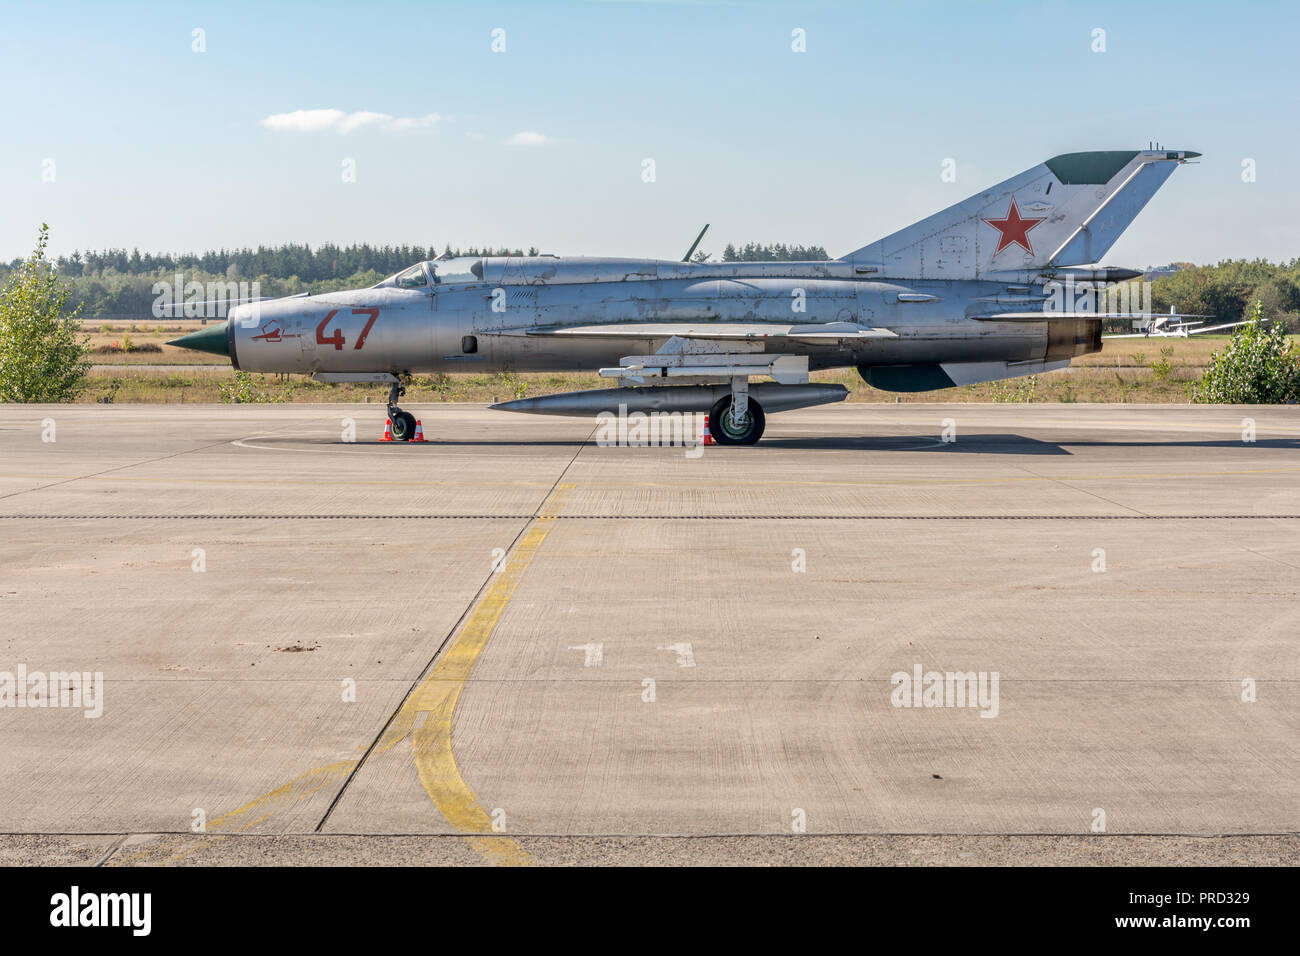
402,423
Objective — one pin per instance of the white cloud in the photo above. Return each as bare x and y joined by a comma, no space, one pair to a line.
315,121
527,138
403,123
354,121
303,121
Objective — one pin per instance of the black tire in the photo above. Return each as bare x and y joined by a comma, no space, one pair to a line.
403,426
724,432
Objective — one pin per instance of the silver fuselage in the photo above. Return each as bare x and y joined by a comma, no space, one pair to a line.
508,320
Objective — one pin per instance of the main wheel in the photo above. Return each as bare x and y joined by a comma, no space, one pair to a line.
726,431
403,426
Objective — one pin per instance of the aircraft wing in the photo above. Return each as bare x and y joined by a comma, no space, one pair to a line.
708,351
736,331
1216,328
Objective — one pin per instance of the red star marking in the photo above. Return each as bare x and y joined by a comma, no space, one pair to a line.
1013,229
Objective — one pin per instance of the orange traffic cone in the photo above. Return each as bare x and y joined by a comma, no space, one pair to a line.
708,437
419,431
388,430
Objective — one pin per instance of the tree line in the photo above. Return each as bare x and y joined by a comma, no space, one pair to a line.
115,282
327,261
324,262
1227,291
776,252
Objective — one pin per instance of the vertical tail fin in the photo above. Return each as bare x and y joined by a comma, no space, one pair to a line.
1067,211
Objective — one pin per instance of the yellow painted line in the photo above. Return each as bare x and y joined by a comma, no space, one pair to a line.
430,711
426,718
254,812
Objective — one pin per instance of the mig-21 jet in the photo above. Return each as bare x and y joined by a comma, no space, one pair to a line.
970,294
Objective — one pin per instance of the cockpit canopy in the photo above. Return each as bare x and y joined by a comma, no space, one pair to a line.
461,269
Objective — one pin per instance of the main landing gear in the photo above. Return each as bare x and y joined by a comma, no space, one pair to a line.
737,419
402,423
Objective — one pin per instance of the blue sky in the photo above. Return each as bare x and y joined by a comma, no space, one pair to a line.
162,148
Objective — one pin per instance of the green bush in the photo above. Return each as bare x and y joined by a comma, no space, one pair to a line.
1259,366
1162,367
240,391
42,351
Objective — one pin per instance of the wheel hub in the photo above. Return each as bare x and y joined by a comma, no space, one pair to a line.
734,428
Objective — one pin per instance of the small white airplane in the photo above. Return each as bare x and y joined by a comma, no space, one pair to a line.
1170,326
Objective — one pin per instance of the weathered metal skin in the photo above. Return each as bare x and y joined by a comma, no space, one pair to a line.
962,296
424,330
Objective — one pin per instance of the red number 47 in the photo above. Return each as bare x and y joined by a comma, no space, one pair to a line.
337,339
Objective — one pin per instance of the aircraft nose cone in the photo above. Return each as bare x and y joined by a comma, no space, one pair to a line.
211,339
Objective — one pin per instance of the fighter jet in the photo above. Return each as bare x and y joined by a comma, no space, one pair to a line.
970,294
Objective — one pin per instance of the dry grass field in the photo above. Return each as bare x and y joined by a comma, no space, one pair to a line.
1121,372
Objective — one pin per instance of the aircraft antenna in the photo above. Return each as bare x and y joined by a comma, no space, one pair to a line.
691,251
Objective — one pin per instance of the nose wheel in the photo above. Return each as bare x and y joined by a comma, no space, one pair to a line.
402,423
